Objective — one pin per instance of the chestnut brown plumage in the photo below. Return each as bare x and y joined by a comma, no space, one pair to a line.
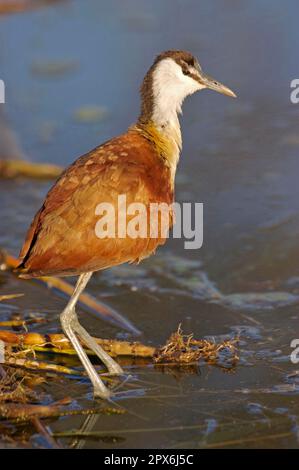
62,241
140,164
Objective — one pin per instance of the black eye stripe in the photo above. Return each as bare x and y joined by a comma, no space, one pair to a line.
186,71
188,65
185,68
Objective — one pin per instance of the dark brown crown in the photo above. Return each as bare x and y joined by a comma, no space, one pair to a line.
178,56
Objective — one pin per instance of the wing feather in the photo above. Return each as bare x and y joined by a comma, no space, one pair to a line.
61,239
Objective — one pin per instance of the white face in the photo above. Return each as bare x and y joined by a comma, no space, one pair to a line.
170,88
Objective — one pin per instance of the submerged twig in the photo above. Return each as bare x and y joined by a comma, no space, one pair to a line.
41,429
180,349
15,361
24,412
10,296
58,343
24,323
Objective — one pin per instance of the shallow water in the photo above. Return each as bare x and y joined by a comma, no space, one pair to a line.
240,158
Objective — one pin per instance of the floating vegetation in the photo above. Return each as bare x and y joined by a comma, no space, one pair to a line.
20,168
21,403
53,69
22,322
185,349
179,349
19,6
13,386
90,114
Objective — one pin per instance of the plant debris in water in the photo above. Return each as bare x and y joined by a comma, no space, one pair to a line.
90,114
185,349
179,349
21,402
13,387
53,69
19,6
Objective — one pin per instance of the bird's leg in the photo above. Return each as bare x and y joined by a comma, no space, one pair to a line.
90,342
66,318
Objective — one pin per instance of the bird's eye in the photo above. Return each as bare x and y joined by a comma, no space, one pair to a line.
186,71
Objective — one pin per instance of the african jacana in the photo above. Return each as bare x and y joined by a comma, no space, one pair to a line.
141,164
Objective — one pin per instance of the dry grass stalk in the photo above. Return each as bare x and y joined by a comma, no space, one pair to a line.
15,361
23,323
10,296
28,411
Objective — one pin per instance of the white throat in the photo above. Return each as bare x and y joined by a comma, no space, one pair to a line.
170,88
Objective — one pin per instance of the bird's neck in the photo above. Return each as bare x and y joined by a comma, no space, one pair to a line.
159,120
167,141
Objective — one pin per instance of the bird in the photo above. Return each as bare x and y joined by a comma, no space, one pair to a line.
140,164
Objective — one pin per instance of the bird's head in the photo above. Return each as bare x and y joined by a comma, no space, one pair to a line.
173,76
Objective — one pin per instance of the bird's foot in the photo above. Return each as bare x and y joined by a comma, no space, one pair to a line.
101,391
